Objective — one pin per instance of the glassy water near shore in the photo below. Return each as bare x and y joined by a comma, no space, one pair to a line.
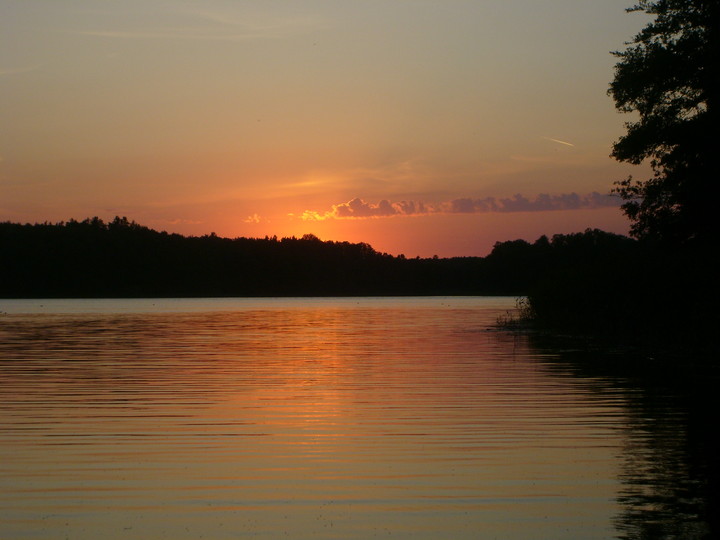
327,418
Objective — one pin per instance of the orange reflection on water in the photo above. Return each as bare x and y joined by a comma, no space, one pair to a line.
330,420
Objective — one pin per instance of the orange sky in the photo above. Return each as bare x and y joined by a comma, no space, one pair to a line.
450,125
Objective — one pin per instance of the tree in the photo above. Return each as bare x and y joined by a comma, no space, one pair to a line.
668,75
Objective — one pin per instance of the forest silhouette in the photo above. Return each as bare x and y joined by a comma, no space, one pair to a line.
121,258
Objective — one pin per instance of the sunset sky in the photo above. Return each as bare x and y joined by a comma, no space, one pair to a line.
422,127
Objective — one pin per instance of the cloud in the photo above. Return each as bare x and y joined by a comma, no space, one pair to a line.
18,70
179,33
359,209
257,24
541,203
180,221
205,25
255,218
558,141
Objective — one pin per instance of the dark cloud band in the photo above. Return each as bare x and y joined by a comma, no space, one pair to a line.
360,209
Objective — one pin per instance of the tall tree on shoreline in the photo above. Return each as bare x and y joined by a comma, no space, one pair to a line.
670,76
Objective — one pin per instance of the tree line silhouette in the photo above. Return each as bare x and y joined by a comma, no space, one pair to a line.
121,258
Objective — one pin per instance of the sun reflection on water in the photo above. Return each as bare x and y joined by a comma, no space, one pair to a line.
337,419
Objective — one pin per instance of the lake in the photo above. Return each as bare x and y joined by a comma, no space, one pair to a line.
334,418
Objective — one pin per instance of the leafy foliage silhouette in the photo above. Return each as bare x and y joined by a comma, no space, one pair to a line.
670,77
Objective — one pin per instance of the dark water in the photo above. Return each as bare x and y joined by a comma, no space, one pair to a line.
331,418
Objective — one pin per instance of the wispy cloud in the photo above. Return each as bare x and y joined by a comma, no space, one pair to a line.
174,33
360,209
212,26
180,221
18,70
558,141
258,25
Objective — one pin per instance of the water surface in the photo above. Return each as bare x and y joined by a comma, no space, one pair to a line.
311,418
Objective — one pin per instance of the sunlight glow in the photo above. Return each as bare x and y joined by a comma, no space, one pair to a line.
256,118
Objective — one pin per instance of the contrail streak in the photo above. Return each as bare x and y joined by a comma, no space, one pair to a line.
558,141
